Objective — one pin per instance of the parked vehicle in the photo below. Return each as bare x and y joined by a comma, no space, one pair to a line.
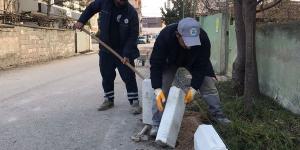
142,40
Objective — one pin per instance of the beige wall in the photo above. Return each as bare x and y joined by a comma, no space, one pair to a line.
23,45
84,42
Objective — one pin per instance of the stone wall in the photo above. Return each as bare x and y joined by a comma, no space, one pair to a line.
24,45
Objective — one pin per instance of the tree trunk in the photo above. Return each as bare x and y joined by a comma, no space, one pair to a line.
238,71
251,80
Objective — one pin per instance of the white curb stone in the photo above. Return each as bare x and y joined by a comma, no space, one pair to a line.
147,101
207,138
171,120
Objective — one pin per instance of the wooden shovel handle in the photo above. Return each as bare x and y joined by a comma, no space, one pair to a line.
114,53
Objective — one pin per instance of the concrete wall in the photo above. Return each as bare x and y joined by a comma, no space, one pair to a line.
278,59
23,45
214,26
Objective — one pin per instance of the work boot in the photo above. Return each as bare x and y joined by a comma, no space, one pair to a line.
153,131
136,108
107,104
221,119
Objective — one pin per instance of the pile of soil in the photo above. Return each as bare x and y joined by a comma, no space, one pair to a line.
189,125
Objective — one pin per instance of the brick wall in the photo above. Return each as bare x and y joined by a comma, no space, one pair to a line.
23,45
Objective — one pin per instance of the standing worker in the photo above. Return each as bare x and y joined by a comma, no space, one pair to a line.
119,28
184,45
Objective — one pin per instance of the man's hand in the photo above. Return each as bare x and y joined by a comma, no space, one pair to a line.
189,97
160,99
125,60
78,25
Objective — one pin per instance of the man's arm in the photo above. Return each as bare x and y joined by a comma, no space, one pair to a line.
133,35
199,68
92,9
158,61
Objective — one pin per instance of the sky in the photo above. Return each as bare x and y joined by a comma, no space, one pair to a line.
151,8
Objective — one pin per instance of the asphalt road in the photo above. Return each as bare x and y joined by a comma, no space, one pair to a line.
53,106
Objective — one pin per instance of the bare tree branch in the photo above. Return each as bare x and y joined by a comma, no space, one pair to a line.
208,7
269,6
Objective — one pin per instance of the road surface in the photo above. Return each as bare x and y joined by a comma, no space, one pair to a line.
53,106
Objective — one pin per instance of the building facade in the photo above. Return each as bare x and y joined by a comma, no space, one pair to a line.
1,5
152,22
61,8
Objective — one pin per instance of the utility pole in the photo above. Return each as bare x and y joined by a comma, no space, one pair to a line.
4,11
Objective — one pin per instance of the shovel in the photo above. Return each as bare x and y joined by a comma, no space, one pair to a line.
147,91
114,53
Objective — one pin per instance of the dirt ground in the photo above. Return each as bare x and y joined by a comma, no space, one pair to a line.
190,123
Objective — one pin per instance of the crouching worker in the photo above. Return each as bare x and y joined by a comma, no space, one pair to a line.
184,45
